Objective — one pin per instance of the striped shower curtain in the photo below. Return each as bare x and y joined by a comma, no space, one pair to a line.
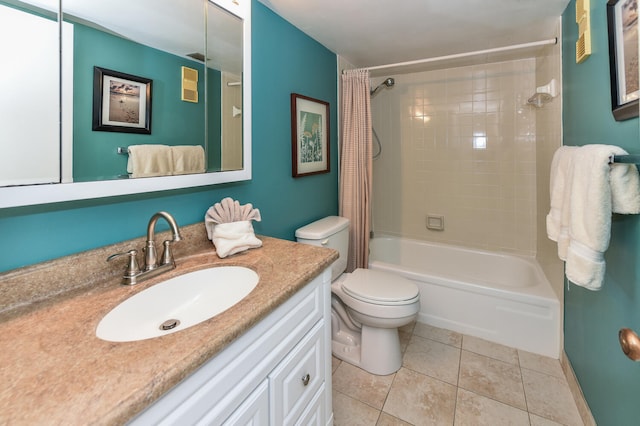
356,162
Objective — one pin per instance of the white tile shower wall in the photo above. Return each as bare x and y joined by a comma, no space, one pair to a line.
460,143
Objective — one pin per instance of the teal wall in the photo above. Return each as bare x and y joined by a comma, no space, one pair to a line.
610,381
285,60
174,122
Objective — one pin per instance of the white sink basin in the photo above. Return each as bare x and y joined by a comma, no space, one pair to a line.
177,303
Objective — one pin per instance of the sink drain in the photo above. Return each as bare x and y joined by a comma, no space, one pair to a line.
169,324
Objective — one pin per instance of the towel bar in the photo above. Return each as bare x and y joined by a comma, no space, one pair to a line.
628,159
123,150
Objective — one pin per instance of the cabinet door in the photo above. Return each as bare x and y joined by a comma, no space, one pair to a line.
314,415
297,379
254,411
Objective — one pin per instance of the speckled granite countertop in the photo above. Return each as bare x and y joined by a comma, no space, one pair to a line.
55,371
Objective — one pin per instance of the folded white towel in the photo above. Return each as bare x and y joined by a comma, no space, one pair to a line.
234,237
591,204
229,210
229,226
187,159
150,160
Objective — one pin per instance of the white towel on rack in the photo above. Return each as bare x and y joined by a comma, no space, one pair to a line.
625,188
565,216
592,201
559,190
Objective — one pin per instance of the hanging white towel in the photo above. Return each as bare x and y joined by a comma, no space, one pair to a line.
625,188
149,160
591,204
187,159
559,190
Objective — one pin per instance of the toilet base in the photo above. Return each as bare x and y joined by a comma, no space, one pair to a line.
382,349
346,353
377,351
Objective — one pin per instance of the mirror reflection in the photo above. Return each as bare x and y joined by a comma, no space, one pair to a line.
195,111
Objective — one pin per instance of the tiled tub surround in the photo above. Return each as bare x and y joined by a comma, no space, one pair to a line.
55,370
461,143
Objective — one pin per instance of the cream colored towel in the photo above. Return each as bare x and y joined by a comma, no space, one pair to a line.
150,160
234,237
187,159
591,204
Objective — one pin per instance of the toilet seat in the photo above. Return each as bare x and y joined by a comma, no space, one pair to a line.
380,288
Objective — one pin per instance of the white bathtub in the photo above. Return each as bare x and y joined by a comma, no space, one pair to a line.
497,297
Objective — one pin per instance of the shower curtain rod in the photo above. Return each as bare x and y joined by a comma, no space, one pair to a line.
463,55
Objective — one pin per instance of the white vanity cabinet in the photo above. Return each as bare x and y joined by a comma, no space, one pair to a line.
277,373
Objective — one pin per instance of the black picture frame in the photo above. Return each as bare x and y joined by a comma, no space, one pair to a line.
622,26
309,136
121,102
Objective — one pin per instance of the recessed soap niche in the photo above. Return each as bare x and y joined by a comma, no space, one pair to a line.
435,222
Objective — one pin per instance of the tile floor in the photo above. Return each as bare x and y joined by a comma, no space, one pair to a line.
452,379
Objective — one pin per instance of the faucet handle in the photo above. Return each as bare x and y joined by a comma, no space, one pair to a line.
132,268
167,254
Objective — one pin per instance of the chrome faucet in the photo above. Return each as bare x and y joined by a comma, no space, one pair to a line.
132,273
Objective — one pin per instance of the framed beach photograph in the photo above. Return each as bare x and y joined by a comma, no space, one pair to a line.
121,102
622,19
309,136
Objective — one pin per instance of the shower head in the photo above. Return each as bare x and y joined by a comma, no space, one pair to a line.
388,82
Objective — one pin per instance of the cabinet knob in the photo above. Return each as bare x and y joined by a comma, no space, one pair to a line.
305,379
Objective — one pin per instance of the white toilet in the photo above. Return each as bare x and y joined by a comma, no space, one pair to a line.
367,306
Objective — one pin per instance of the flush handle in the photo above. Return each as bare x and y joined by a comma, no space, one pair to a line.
325,242
305,379
630,343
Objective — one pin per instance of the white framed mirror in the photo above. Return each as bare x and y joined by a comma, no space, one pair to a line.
222,22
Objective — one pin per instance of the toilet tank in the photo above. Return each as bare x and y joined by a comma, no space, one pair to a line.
331,232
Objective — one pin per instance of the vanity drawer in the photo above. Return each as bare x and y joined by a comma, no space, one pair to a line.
297,379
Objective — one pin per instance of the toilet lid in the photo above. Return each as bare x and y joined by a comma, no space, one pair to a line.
379,287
